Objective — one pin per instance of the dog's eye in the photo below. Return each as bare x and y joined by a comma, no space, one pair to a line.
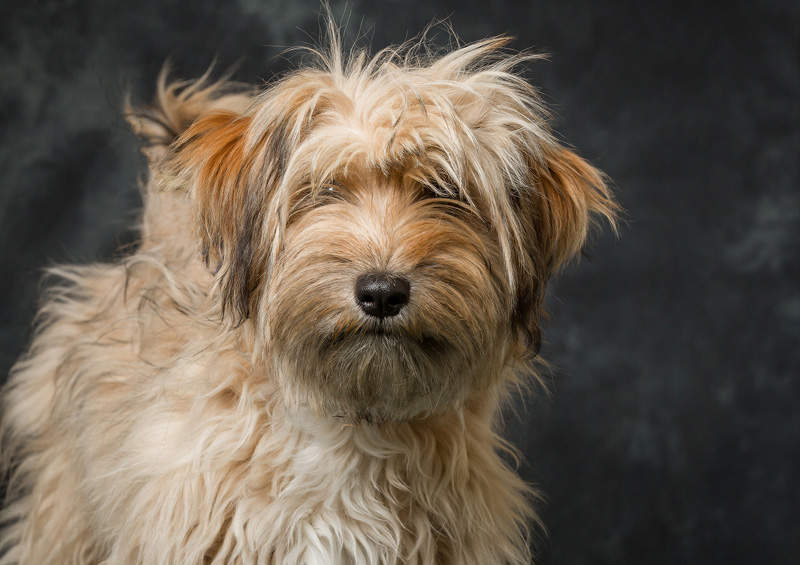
332,190
329,192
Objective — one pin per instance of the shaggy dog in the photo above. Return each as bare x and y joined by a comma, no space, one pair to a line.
303,361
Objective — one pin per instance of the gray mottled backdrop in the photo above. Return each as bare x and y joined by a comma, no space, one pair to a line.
672,434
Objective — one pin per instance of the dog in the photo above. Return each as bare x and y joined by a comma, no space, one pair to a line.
338,279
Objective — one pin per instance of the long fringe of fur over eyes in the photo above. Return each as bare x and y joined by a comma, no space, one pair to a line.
218,396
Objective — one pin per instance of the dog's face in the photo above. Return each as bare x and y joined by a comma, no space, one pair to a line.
389,226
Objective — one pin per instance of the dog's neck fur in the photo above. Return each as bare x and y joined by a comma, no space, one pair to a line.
430,491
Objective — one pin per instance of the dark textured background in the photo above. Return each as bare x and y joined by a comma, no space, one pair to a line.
672,432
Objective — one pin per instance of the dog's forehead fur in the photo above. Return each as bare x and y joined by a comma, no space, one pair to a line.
464,116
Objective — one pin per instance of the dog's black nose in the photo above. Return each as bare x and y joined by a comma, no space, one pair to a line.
382,295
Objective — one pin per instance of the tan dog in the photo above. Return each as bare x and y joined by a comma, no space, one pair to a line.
303,361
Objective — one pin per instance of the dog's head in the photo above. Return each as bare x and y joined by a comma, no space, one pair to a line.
389,224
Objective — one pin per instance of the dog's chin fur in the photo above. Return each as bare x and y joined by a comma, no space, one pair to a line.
380,377
219,396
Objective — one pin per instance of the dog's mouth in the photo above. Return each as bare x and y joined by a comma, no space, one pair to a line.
392,336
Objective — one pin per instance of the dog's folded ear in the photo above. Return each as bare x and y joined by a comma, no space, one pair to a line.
570,194
233,164
230,181
566,197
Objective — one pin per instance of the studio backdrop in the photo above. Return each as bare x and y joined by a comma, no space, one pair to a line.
669,431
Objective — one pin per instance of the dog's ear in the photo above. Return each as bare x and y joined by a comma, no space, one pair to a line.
234,164
567,195
232,175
